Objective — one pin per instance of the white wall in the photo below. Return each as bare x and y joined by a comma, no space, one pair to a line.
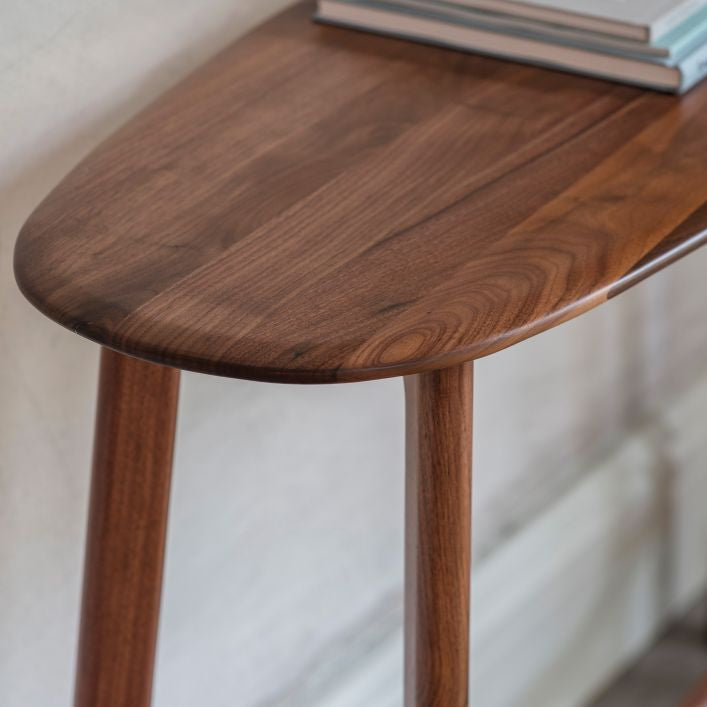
284,565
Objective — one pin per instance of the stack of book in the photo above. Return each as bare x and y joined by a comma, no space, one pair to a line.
661,44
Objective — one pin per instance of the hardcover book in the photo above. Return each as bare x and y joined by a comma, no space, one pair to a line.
644,20
674,62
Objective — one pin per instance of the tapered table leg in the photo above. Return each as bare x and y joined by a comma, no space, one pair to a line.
438,537
132,462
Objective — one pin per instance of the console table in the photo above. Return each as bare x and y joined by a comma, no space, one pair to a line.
316,205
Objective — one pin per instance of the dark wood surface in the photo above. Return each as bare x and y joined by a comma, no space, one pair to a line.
321,205
132,463
438,537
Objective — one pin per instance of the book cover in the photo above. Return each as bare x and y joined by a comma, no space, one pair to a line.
673,46
644,20
425,27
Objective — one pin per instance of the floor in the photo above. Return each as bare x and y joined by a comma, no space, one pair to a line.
669,673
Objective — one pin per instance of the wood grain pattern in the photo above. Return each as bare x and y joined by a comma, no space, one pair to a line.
137,407
438,537
320,205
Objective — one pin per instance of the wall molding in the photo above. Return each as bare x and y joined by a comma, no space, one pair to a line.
620,554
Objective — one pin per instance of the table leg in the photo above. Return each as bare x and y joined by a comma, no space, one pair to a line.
135,425
438,537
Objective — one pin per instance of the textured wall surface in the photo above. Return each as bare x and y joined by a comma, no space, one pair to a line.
285,545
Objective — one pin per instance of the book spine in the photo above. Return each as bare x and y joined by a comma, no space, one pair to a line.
693,69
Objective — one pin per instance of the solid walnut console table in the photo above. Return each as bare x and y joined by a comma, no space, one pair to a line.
316,205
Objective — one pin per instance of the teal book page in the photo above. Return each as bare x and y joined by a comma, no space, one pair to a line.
693,68
686,37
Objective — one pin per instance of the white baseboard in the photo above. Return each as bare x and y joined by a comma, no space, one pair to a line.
599,573
563,606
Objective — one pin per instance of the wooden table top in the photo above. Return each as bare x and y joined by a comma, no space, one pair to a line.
320,205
